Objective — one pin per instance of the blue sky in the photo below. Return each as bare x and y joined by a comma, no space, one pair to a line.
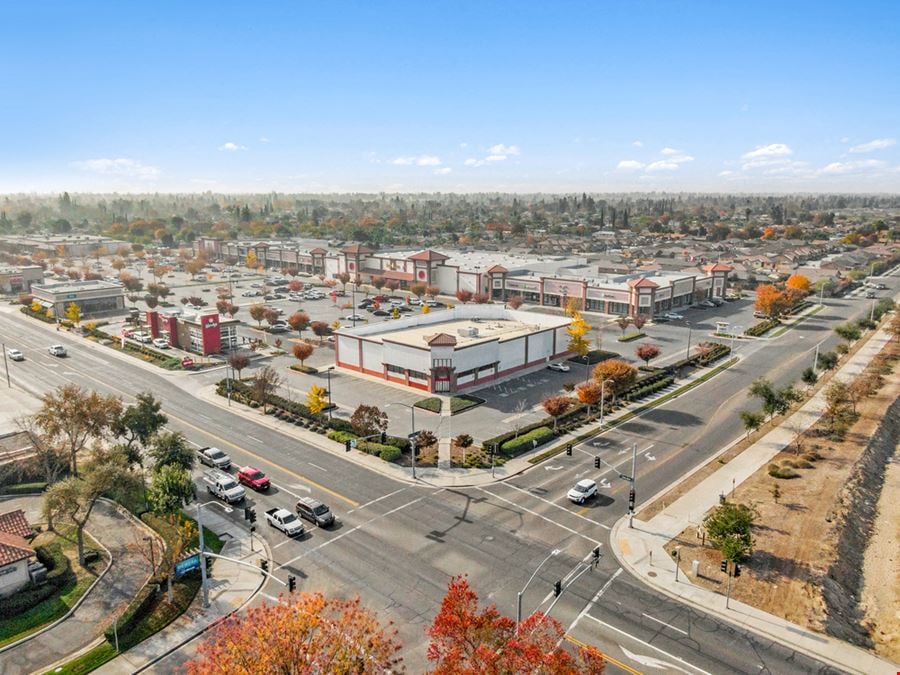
450,96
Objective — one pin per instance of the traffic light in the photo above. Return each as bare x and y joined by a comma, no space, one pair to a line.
596,553
557,589
347,445
631,496
209,562
596,462
292,583
383,437
264,565
252,516
569,449
246,513
737,571
723,566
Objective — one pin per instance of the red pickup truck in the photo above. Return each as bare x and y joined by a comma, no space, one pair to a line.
253,477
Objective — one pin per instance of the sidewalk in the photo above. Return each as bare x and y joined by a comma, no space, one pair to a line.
640,550
230,588
442,476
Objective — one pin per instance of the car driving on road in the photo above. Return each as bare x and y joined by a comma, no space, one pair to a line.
583,490
57,350
559,367
15,354
673,316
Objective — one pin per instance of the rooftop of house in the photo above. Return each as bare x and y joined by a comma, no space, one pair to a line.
15,522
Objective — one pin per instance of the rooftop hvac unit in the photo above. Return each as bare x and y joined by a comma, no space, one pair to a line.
470,331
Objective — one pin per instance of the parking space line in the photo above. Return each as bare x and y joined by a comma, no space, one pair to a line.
667,625
542,517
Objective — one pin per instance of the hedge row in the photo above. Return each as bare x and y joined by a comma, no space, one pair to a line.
527,441
135,611
387,451
631,337
762,327
651,388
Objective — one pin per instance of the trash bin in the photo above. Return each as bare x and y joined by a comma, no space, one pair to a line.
695,568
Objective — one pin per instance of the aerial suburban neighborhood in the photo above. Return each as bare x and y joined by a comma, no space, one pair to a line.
378,393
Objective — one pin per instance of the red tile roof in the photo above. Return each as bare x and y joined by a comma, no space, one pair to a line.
643,282
15,522
356,249
319,251
497,269
441,340
718,267
429,256
13,548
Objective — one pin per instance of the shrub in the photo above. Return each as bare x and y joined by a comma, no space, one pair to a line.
399,442
340,425
526,441
309,370
803,464
372,448
784,473
390,453
341,436
630,337
762,327
25,600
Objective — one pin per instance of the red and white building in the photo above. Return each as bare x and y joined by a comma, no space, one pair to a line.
202,333
453,350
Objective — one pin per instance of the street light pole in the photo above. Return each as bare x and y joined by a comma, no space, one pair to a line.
328,375
6,365
633,483
552,553
687,354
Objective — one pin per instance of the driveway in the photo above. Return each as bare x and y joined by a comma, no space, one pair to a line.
127,573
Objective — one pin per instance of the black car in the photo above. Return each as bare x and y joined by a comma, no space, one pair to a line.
364,304
381,312
404,309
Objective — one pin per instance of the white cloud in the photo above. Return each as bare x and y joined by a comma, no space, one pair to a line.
263,139
501,149
629,165
495,158
463,146
231,147
877,144
845,139
131,168
662,165
727,172
669,152
420,160
443,171
840,168
473,162
772,150
638,144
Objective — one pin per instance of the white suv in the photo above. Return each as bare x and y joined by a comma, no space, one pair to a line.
583,490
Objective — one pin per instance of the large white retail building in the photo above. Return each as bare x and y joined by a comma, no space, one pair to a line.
455,349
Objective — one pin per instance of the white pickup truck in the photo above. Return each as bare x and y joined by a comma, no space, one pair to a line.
223,486
285,521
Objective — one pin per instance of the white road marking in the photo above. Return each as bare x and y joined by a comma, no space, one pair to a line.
668,625
284,489
652,662
549,520
320,468
593,600
552,468
268,597
253,438
351,531
554,504
378,499
638,658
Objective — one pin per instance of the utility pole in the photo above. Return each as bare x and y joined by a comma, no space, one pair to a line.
632,496
6,365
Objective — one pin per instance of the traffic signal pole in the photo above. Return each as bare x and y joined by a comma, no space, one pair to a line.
633,491
204,584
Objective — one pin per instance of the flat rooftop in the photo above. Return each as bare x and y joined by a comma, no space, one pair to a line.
76,286
466,331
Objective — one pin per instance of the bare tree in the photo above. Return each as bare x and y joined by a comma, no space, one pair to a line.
264,385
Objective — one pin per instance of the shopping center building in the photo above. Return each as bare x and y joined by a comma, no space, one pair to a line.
95,299
453,350
542,280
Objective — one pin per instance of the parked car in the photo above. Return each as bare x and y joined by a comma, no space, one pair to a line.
222,486
870,294
285,521
583,490
403,309
253,477
396,302
365,303
278,328
673,316
15,355
881,287
214,457
435,304
315,511
558,367
380,312
144,338
707,303
718,302
662,318
353,317
251,294
161,343
57,350
414,301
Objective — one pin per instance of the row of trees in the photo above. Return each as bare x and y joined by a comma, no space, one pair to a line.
774,301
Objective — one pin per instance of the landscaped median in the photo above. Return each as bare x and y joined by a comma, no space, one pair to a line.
458,404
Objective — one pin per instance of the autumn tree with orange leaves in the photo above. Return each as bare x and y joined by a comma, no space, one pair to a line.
769,300
798,282
617,374
304,633
469,640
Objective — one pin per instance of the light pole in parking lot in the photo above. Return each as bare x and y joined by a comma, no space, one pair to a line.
552,553
328,375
